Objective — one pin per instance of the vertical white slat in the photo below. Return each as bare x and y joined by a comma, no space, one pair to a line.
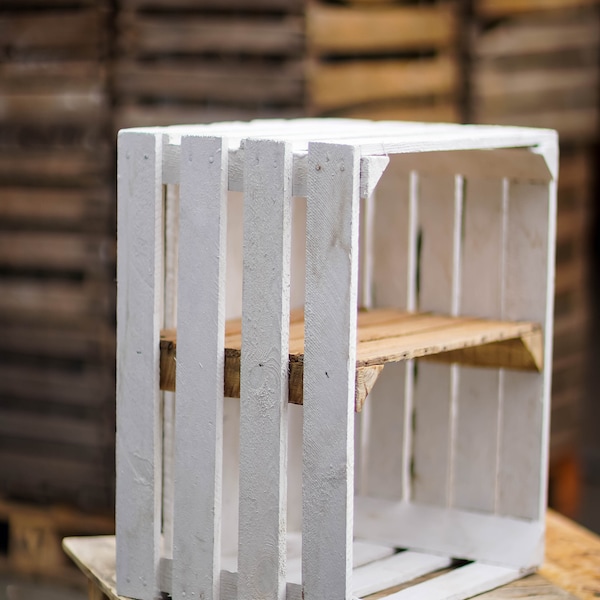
264,369
529,280
390,403
329,369
168,398
139,318
200,368
435,386
479,390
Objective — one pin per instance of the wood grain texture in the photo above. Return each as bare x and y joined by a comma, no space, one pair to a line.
264,370
571,563
341,29
336,85
139,318
572,557
385,336
199,407
331,299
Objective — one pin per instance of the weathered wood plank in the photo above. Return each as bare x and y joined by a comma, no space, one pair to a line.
264,369
502,8
341,29
139,318
528,293
203,81
399,336
199,406
329,389
480,391
336,85
152,34
440,210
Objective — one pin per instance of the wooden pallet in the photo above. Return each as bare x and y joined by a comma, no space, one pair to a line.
31,539
383,60
184,62
539,70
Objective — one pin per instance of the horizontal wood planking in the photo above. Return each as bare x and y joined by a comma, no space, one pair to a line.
535,35
60,106
503,8
440,110
35,534
85,483
184,34
89,253
55,428
390,336
139,114
61,209
89,386
33,33
52,166
351,30
54,301
236,82
256,6
92,341
50,75
335,85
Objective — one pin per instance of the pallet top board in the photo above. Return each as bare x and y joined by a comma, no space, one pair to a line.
386,336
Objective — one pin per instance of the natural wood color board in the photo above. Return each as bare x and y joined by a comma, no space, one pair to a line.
242,83
334,85
389,336
340,29
443,110
572,557
501,8
144,34
34,544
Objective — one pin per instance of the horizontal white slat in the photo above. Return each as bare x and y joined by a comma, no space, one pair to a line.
394,570
396,134
459,584
500,540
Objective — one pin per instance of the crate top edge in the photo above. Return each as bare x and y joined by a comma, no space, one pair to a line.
369,137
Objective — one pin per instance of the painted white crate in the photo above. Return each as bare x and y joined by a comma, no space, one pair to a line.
446,460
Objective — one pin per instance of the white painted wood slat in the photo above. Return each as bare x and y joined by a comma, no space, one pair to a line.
264,370
479,390
394,570
459,584
394,278
139,319
330,354
435,387
200,364
529,294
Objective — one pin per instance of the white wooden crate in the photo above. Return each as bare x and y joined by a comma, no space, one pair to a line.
447,458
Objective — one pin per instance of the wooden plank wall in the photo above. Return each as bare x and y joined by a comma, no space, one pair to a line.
56,254
196,62
383,60
537,64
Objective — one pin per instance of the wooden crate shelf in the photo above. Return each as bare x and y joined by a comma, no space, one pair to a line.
387,336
